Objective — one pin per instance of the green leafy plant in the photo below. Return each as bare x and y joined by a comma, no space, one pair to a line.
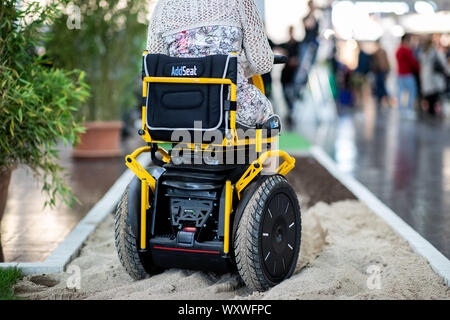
107,46
38,103
8,277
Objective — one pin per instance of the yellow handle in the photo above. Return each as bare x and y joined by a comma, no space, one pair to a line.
259,83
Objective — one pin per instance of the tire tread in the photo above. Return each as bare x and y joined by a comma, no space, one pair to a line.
246,239
126,242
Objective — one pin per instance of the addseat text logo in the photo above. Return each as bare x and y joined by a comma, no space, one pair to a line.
184,71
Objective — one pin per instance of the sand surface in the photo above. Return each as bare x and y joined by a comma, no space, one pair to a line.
347,253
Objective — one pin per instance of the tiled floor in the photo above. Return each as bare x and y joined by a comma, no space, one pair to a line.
405,163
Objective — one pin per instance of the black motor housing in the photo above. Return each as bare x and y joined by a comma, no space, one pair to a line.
186,224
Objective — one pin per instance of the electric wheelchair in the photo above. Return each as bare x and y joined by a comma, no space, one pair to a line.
193,208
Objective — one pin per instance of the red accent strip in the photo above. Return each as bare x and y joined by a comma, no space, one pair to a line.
189,250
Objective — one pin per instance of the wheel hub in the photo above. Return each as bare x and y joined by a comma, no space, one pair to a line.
278,236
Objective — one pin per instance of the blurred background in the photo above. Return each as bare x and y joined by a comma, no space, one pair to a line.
367,81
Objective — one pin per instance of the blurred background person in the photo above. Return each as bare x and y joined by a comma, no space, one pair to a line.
359,77
311,24
381,68
415,43
433,75
308,47
291,50
407,65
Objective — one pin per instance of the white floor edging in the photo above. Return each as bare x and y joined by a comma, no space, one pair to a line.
70,247
298,153
438,262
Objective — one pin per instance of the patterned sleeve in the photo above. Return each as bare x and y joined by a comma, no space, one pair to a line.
258,53
155,42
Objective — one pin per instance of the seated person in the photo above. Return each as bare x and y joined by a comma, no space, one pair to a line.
198,28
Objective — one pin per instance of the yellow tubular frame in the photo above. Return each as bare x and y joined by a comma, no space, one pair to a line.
228,209
259,83
138,170
256,167
145,205
188,80
148,182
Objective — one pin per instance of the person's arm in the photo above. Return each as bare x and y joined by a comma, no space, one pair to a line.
155,43
258,53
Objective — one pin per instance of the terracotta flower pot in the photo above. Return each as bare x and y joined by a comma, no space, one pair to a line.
101,140
5,178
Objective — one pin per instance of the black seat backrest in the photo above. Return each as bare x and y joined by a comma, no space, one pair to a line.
175,106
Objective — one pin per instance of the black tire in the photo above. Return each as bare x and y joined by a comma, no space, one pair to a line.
268,235
127,245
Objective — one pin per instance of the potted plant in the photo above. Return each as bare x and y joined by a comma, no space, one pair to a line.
38,103
105,39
